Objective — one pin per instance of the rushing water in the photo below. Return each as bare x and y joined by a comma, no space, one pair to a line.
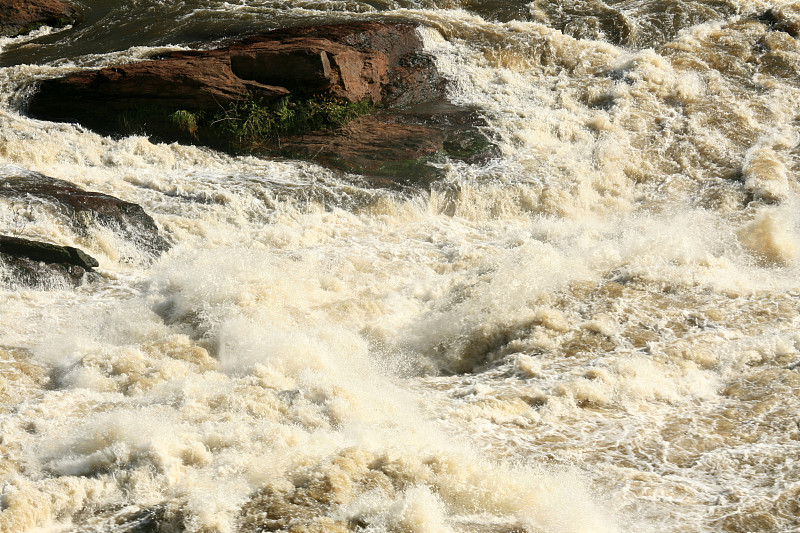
596,331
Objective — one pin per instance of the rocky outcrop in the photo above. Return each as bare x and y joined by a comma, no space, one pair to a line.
197,97
353,61
83,210
23,16
46,253
40,264
110,99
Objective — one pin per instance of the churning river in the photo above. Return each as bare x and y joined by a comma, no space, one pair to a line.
595,331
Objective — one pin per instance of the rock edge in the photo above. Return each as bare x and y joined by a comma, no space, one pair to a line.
18,17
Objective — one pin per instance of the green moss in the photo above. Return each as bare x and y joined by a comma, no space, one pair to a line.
418,171
465,144
28,28
61,22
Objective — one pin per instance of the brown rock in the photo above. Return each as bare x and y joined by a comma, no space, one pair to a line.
393,40
185,80
22,16
351,61
395,147
415,80
378,62
298,67
363,55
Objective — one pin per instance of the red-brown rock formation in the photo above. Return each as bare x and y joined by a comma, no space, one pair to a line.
381,63
22,16
354,61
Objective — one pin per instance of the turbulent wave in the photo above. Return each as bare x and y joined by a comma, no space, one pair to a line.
595,331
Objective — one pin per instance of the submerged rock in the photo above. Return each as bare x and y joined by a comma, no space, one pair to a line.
84,209
47,253
41,264
285,92
782,19
23,16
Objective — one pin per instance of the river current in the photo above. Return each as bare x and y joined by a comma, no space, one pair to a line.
595,331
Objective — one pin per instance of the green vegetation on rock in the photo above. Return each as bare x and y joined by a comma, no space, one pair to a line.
244,123
186,121
254,120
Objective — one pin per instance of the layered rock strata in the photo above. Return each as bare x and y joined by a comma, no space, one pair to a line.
354,62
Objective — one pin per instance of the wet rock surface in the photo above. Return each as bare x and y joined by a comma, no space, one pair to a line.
380,64
46,252
396,147
40,264
131,519
23,16
83,209
780,20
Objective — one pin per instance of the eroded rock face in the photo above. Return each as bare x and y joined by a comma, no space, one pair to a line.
40,264
84,209
22,16
105,99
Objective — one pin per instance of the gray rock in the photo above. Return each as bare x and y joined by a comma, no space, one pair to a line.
42,265
46,252
82,209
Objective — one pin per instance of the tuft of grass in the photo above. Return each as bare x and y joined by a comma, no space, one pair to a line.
255,120
186,121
